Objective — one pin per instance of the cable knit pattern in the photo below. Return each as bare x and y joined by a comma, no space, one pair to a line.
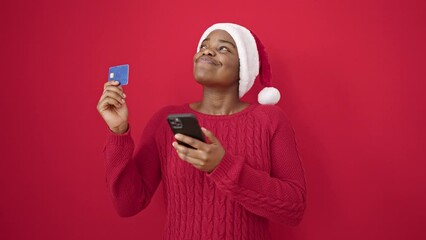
259,179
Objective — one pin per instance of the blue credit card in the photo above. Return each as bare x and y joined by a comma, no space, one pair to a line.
119,73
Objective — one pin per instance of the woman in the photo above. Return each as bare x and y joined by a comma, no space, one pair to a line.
247,173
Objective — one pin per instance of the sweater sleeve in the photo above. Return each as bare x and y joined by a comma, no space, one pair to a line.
279,195
132,177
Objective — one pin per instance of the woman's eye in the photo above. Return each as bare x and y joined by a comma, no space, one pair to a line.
202,47
224,49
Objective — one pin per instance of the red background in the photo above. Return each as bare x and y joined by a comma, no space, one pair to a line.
352,74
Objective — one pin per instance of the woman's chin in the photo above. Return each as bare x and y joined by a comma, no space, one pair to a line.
202,77
203,81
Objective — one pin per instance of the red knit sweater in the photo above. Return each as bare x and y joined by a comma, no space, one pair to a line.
260,178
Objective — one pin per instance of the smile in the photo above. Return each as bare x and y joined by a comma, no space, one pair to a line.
207,59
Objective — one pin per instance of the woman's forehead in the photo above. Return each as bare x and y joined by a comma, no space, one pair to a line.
220,35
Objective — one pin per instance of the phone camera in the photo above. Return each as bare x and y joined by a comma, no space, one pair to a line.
176,123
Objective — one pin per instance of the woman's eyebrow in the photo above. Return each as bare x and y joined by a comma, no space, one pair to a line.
224,41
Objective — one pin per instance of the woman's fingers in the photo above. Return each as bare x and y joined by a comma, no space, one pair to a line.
193,161
111,83
118,90
195,153
113,94
115,87
197,144
108,101
195,157
210,136
205,157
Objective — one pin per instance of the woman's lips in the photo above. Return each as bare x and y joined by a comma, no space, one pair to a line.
207,59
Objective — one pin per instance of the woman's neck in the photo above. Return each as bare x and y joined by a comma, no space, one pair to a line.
219,102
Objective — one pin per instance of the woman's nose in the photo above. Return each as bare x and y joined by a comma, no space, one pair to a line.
208,52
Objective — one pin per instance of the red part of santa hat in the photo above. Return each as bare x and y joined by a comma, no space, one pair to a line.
253,61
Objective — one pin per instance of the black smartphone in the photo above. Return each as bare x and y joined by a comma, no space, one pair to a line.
186,124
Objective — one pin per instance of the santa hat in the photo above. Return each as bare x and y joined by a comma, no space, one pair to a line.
253,61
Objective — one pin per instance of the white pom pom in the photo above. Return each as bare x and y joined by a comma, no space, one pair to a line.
269,96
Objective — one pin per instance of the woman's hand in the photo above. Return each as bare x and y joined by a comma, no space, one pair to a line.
113,108
206,156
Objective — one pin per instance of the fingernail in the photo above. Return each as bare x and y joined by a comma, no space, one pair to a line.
124,95
123,100
177,136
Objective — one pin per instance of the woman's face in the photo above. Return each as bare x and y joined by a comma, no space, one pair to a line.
216,64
